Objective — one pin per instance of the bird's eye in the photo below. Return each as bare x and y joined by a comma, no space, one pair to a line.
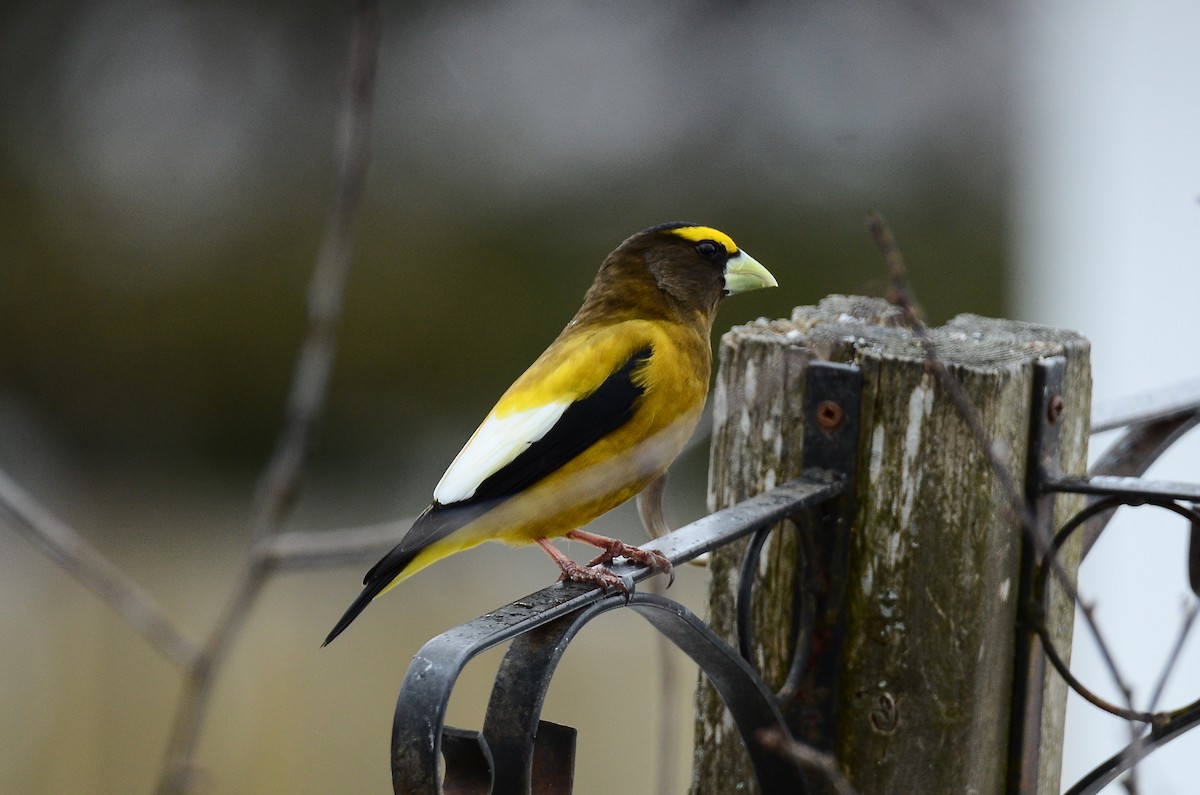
709,249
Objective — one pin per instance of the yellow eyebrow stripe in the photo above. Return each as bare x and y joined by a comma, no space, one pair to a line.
698,233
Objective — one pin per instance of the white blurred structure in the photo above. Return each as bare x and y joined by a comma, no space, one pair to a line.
1107,218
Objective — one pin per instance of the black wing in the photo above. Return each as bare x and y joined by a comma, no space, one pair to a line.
582,424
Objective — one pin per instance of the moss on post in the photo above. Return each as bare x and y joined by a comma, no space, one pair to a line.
926,681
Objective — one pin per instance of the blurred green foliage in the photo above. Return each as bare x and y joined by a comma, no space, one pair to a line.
171,324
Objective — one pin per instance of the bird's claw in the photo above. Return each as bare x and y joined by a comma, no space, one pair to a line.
651,559
603,577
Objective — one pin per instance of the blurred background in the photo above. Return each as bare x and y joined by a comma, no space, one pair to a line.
165,172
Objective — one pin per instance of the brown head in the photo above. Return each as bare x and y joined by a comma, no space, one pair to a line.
675,271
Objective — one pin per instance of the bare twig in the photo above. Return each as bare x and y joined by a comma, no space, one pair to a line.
310,379
90,567
900,295
307,550
1137,749
306,397
1185,629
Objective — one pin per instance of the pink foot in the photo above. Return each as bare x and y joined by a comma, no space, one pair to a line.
613,548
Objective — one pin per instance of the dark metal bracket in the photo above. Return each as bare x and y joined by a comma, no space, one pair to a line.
517,752
1025,732
832,404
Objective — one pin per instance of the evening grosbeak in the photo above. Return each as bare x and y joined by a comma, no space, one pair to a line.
601,414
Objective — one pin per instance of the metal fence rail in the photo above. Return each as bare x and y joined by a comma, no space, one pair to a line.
543,624
517,752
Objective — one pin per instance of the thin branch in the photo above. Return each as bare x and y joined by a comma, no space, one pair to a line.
65,546
1137,749
900,294
306,398
308,550
310,379
1185,629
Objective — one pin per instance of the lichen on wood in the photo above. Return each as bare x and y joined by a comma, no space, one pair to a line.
931,603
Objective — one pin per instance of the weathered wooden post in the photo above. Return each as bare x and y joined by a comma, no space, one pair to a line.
927,667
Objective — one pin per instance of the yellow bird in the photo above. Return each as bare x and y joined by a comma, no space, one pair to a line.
600,415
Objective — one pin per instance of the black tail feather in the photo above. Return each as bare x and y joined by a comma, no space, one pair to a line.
369,592
434,524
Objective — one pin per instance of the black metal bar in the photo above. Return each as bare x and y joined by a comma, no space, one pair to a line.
513,714
1162,404
1131,456
750,703
1029,670
1134,489
745,594
809,696
420,707
530,663
1141,445
1076,522
809,693
1039,625
1123,760
1194,555
720,528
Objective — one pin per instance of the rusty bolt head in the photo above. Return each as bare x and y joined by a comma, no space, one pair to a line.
1054,409
830,415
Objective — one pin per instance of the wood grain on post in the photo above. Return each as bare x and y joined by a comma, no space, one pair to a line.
931,601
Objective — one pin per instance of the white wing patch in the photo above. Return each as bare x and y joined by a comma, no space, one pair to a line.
494,445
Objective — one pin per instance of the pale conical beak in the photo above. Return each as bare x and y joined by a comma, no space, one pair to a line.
743,273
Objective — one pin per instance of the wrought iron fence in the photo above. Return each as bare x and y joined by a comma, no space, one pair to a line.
517,752
1150,425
